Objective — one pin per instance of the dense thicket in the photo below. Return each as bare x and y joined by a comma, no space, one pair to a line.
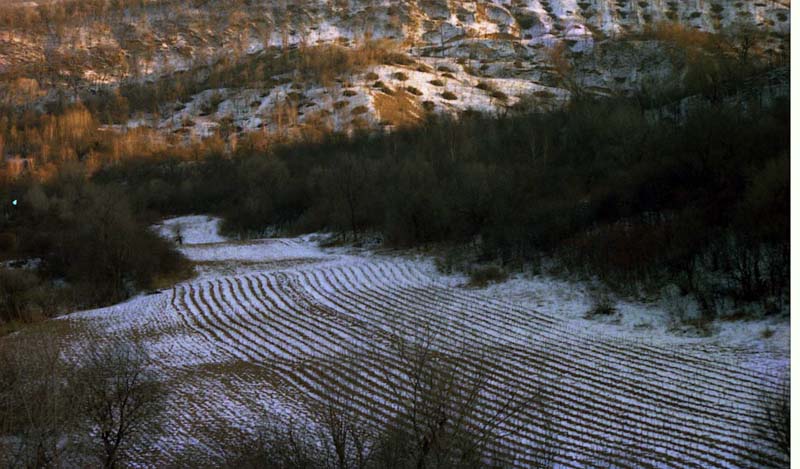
90,246
702,202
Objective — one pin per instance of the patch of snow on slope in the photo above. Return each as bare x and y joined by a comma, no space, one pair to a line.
198,229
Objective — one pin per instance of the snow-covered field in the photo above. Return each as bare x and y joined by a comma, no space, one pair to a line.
271,327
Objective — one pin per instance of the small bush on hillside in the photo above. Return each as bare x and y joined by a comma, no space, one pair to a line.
471,71
455,259
499,95
400,76
484,275
359,110
449,95
211,105
526,21
437,82
371,76
414,91
676,305
349,93
428,105
601,304
383,87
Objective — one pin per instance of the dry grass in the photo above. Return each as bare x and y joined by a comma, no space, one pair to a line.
400,109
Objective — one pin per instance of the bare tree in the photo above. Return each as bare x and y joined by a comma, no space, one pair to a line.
447,413
350,180
120,398
35,411
744,37
558,56
444,419
348,441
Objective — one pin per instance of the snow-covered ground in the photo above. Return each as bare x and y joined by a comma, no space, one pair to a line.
276,326
194,230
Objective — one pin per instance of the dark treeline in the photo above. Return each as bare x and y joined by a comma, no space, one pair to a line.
702,203
87,246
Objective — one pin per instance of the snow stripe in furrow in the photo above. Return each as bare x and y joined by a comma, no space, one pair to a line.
359,372
270,332
377,384
577,350
702,424
215,350
579,411
313,378
687,362
311,318
196,321
658,363
634,347
226,337
262,332
305,341
498,303
245,340
178,339
391,294
339,277
639,348
706,378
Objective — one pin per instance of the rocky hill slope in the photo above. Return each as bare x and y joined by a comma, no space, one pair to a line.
236,62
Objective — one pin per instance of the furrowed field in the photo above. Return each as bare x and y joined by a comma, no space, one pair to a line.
278,329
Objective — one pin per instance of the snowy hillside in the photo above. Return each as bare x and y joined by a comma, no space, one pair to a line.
484,56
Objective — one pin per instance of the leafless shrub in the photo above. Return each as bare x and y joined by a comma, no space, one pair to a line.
276,446
35,404
119,399
602,304
480,276
680,308
437,422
